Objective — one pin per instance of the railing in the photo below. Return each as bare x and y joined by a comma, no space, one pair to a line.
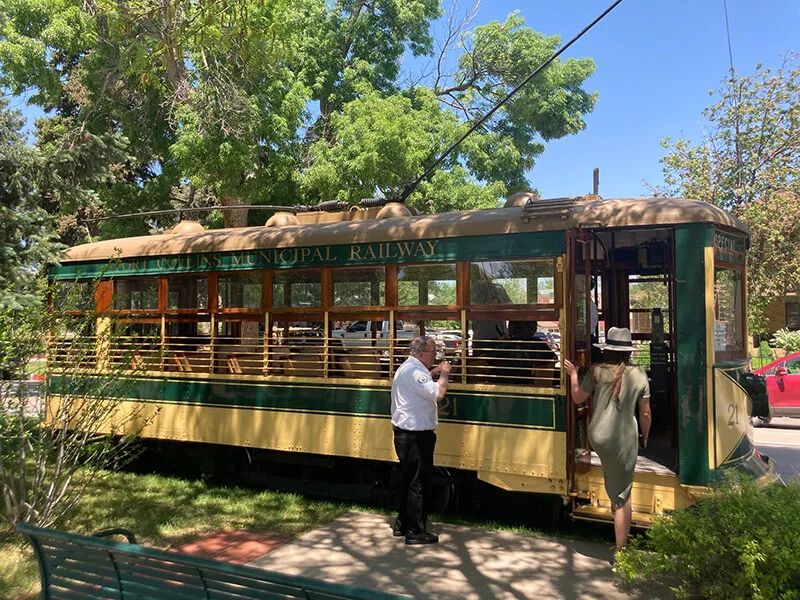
493,362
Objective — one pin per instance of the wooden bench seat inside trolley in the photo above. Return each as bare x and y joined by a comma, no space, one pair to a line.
188,362
245,364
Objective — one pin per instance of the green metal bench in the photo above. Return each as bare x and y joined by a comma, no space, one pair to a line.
77,566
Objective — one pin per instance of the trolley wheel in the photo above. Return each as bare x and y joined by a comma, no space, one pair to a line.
442,491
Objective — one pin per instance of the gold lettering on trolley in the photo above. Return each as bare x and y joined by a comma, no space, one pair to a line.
406,248
448,407
287,256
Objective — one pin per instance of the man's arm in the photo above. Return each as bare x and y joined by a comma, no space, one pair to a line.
444,377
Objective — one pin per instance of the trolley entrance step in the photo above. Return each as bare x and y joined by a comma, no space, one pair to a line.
587,512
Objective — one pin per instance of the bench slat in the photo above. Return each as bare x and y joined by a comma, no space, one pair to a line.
147,569
65,573
59,594
220,581
219,590
138,589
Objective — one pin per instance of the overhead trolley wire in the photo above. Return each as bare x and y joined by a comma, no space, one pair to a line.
411,187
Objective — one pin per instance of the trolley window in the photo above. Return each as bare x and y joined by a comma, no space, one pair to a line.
508,283
240,290
140,293
426,285
359,287
297,288
187,292
729,312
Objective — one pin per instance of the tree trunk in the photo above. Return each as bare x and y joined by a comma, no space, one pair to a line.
234,218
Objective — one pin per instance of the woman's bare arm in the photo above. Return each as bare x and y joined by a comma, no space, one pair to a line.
578,395
645,418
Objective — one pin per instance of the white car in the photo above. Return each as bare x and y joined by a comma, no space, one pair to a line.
363,330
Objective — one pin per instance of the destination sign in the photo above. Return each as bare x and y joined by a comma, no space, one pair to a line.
729,242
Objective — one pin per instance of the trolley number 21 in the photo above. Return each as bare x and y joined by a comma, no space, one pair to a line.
448,407
733,414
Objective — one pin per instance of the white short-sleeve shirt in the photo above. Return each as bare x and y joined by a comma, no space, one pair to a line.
414,397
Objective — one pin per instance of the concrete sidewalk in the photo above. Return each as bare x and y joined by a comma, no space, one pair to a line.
358,549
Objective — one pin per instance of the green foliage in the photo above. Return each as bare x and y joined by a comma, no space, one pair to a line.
56,436
749,162
25,228
763,356
786,339
178,103
740,542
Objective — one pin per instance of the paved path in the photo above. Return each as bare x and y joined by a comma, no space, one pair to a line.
358,549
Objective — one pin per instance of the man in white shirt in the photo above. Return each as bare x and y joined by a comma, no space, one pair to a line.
415,414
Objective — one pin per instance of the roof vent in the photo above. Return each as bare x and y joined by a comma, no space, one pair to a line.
187,227
393,209
521,198
555,208
282,219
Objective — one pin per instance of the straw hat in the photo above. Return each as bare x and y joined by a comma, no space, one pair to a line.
618,339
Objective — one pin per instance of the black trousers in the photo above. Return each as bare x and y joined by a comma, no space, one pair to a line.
415,452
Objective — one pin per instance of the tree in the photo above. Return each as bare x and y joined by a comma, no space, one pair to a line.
251,101
25,228
383,141
749,162
57,436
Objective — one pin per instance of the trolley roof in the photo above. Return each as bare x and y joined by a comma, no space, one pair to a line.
535,215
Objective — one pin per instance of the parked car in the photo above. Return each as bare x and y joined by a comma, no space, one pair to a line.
366,330
553,340
783,388
451,341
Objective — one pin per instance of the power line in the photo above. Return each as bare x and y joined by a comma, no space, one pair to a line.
410,188
736,93
728,32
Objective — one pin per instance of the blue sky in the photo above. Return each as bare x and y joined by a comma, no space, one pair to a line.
656,62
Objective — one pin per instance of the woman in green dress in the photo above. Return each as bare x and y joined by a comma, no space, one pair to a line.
617,389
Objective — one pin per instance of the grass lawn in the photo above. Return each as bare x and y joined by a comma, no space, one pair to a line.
165,512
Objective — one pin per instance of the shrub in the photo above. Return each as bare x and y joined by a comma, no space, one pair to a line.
741,542
786,339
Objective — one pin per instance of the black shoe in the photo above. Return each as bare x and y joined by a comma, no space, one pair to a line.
416,539
397,529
